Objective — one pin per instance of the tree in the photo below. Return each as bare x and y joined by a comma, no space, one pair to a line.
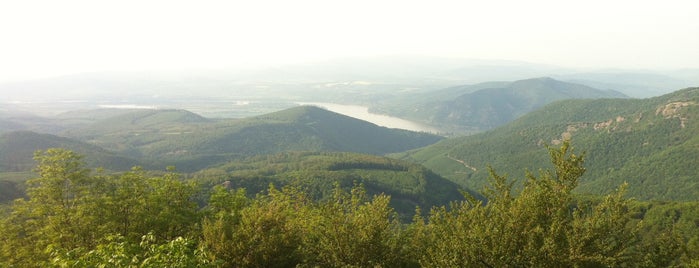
57,211
70,210
265,233
117,251
540,226
170,208
351,230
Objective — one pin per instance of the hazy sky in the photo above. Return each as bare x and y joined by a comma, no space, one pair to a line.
44,38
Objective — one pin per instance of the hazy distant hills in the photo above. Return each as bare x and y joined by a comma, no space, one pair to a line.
370,79
485,106
653,144
635,84
136,122
15,121
24,120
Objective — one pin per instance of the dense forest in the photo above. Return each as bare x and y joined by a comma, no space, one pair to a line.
650,143
317,174
74,216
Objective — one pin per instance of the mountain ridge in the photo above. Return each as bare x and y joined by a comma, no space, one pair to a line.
481,107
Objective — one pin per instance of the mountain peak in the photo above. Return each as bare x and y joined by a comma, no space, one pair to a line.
302,113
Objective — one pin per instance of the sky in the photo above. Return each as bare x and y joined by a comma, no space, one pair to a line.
50,38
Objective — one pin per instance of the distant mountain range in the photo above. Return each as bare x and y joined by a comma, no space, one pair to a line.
635,84
653,144
380,77
488,105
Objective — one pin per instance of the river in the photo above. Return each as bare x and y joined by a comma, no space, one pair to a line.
362,112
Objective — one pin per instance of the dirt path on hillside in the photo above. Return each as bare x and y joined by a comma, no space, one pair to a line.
462,162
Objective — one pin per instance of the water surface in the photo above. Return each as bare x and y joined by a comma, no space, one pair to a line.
362,112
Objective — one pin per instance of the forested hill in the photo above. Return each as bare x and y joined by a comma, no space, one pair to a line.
343,133
317,173
191,142
653,144
483,107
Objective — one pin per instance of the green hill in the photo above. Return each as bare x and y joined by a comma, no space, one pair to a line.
650,143
485,106
191,142
408,184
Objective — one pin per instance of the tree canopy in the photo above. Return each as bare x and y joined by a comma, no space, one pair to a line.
77,217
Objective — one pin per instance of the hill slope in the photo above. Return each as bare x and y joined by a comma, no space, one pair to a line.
651,143
489,107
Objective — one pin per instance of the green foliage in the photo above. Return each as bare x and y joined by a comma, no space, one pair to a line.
316,173
53,216
284,228
351,231
542,226
73,218
681,242
262,233
170,206
69,209
116,251
222,215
